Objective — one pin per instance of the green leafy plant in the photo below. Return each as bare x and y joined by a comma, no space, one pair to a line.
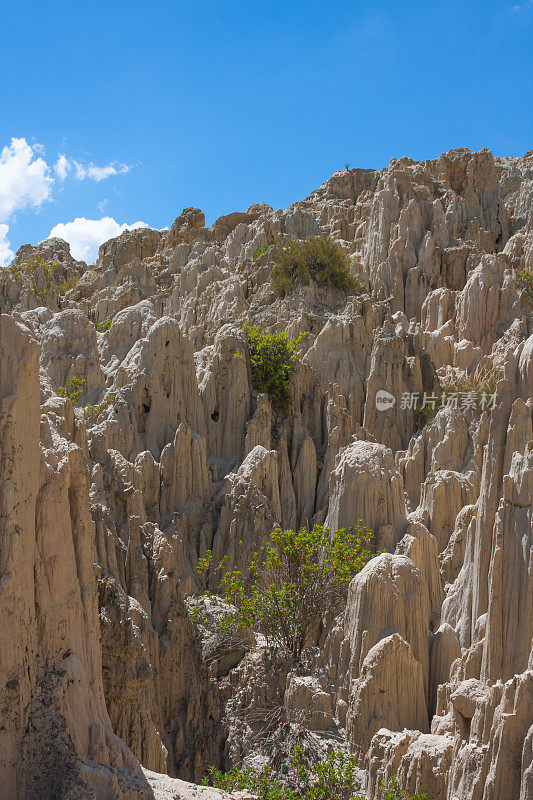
273,360
104,326
524,280
318,259
295,580
74,390
91,413
332,778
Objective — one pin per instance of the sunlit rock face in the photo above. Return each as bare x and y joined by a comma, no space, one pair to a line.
114,485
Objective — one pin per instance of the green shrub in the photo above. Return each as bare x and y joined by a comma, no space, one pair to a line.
28,275
524,280
74,390
91,413
318,259
273,360
103,327
332,778
294,581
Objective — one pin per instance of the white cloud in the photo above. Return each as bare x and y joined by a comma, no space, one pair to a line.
62,167
86,235
6,253
95,173
90,171
25,181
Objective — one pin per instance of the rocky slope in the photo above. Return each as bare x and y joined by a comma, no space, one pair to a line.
428,674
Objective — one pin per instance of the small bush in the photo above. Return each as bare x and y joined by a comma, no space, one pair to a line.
74,390
103,327
332,778
318,259
273,360
394,792
524,280
295,580
91,413
482,381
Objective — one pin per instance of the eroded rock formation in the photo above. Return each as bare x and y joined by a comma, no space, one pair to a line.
108,501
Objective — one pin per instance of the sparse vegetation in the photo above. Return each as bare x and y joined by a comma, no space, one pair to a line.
91,413
460,390
294,581
74,390
524,280
40,277
332,778
318,259
273,360
66,285
482,381
103,327
273,242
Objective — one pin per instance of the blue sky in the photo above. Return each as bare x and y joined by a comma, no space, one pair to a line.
160,105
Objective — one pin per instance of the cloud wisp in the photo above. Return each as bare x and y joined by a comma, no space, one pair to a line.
93,172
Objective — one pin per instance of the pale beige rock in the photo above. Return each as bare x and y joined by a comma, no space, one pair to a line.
389,692
165,788
307,703
365,485
388,595
420,761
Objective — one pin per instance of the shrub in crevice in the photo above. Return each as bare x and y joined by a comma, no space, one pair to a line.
332,778
524,281
294,582
74,389
273,360
318,259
